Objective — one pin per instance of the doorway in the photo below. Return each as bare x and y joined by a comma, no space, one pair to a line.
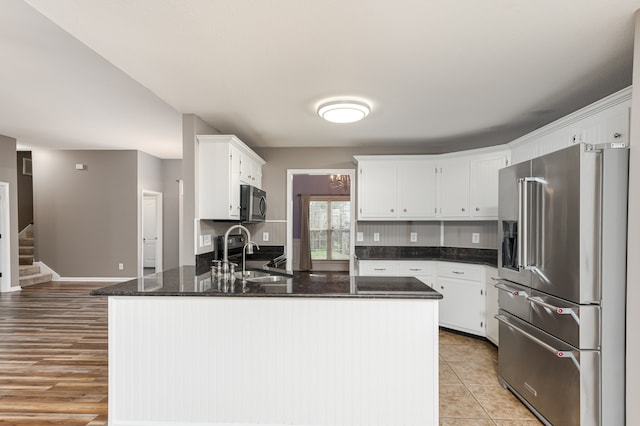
5,239
151,233
335,241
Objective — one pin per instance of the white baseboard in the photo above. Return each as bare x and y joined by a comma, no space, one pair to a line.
10,289
56,277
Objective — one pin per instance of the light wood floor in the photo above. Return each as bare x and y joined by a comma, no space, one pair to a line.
53,355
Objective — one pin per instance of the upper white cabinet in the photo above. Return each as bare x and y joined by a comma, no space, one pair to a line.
224,163
603,122
396,190
483,188
446,187
454,188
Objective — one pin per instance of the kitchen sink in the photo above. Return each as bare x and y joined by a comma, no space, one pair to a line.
268,279
252,274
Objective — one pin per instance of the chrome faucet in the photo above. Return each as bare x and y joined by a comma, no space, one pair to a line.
248,248
225,258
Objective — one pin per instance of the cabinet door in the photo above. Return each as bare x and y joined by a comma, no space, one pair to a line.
234,182
417,190
256,175
382,268
462,307
377,183
484,186
491,305
454,188
246,165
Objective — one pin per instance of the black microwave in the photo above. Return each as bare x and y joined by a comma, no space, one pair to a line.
253,204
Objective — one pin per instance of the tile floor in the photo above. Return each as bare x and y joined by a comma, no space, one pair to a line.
470,394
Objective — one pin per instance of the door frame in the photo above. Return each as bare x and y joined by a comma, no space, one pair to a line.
159,225
290,174
5,241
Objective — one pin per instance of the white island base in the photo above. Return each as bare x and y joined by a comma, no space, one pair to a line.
176,360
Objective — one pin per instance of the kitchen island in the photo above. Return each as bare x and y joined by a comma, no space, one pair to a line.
188,349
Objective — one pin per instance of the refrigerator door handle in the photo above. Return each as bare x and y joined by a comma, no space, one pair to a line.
522,232
557,309
525,218
510,290
559,353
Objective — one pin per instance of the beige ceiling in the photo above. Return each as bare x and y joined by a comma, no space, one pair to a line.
441,74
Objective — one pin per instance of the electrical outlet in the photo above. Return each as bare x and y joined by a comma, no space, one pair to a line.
207,239
475,238
265,236
376,236
359,237
121,266
413,237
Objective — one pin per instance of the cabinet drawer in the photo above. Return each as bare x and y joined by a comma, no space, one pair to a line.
416,268
377,268
461,271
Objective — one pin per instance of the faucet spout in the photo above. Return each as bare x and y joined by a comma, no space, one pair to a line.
225,257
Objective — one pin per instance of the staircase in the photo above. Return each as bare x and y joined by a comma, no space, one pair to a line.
30,274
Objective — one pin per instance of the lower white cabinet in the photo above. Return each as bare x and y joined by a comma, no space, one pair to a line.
463,305
492,304
463,286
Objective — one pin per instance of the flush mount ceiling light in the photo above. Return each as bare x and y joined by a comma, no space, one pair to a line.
345,111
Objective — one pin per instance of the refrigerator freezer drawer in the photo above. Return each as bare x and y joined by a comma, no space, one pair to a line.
561,383
513,298
578,325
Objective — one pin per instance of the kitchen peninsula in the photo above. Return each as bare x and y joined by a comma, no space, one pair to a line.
188,349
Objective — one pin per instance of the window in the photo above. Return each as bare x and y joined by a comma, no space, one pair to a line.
329,223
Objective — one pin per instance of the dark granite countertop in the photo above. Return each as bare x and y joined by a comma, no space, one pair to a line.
487,257
184,281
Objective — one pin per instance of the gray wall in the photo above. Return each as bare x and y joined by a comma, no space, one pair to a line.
8,173
171,173
86,221
633,241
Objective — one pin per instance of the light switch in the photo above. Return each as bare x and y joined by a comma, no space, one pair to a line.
121,266
413,237
207,239
359,237
265,236
475,238
376,236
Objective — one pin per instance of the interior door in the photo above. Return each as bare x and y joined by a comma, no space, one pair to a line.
150,236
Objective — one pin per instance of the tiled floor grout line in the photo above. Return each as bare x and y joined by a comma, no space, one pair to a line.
469,390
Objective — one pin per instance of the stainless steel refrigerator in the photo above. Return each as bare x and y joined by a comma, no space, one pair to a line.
562,267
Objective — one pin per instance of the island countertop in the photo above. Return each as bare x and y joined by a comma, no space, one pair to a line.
184,281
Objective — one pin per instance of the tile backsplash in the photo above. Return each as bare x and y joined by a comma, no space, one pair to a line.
445,234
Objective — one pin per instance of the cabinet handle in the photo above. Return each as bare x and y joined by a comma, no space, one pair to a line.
617,135
391,210
415,269
379,269
462,209
458,272
477,209
405,210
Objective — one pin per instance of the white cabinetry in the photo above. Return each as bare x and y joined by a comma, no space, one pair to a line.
483,190
250,170
604,121
424,270
464,304
454,188
220,173
463,289
491,278
396,190
428,187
